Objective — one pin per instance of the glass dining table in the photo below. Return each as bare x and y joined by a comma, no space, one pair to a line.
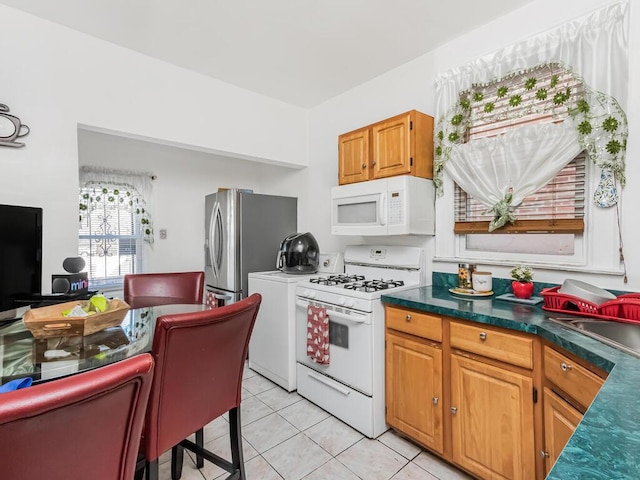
44,359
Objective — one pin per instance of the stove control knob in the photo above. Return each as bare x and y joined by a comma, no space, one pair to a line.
313,294
342,301
305,293
349,304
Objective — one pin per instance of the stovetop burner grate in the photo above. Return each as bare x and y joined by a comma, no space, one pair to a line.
357,283
337,279
374,285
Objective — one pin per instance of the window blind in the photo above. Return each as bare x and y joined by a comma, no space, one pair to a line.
510,103
109,236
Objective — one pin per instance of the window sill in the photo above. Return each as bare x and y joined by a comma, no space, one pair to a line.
535,265
110,287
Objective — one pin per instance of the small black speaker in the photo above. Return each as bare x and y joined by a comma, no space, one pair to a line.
73,264
70,283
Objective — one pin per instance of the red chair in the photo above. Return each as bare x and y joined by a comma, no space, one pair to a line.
149,289
83,426
199,364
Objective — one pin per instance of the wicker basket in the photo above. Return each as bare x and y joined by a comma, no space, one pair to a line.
46,322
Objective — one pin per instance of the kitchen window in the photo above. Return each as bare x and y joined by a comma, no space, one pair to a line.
536,134
115,225
535,97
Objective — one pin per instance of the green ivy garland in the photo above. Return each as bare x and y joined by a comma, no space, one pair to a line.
598,118
115,195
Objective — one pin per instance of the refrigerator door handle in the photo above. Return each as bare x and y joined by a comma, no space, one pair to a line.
215,244
220,296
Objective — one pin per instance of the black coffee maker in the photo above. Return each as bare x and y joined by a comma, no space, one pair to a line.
299,254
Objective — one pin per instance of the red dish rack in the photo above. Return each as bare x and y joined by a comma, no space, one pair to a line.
624,308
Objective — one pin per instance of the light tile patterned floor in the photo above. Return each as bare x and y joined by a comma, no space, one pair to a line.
287,437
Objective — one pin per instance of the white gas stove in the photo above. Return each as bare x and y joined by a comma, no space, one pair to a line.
351,384
370,272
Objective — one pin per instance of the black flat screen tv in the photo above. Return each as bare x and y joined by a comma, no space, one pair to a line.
20,253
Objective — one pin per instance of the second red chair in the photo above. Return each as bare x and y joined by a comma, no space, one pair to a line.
149,289
199,365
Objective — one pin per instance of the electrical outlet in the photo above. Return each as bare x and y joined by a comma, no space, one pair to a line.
163,233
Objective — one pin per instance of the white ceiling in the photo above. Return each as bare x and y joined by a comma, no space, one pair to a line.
302,52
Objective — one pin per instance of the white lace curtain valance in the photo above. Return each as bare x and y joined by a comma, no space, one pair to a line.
594,53
489,170
108,185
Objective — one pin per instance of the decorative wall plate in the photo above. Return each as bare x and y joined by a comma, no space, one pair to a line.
11,128
606,195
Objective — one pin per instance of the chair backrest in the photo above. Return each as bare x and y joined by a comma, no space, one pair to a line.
83,426
149,289
199,366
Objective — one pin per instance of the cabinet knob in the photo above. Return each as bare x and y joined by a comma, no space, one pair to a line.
544,454
364,165
434,400
565,367
373,163
483,336
408,318
454,410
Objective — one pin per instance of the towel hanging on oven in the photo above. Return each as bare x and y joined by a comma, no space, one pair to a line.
318,334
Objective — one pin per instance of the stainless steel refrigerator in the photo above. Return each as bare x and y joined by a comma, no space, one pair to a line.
243,234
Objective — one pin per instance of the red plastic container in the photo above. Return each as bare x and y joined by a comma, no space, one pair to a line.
624,308
561,302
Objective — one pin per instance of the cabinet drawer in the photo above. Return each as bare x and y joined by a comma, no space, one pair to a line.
414,323
491,343
571,377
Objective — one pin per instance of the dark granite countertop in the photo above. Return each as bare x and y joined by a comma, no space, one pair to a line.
606,444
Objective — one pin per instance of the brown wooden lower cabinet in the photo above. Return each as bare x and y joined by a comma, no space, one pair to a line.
469,393
414,389
560,421
571,386
492,420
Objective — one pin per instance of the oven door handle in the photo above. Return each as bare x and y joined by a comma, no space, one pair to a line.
333,314
329,384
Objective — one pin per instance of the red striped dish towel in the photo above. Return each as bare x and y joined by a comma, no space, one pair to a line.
318,334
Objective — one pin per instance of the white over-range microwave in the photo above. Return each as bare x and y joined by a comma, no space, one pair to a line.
402,205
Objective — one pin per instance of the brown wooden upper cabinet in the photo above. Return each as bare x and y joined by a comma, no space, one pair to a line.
400,145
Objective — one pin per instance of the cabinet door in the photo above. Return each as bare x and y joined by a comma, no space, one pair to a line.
414,389
560,421
572,378
391,141
492,420
353,156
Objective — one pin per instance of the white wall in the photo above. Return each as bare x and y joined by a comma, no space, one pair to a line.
54,79
412,86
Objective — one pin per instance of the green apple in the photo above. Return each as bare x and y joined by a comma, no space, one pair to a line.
99,302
